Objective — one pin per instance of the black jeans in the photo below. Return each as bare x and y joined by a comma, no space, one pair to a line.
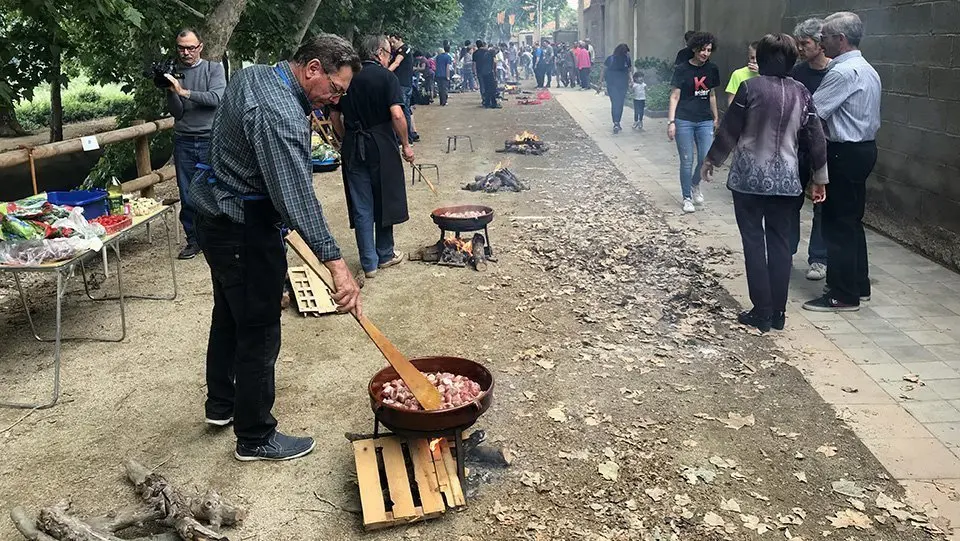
551,68
765,222
585,77
488,86
539,71
443,86
849,165
248,268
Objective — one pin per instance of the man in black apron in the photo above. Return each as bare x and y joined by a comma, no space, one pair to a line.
370,119
260,178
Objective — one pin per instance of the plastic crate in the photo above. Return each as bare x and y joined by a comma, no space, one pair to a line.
119,226
325,166
94,202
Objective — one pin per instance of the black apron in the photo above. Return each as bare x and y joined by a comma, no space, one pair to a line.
375,149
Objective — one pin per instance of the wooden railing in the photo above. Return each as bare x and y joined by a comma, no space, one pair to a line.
139,133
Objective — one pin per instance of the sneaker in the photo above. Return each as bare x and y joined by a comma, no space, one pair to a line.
397,259
278,447
697,194
828,304
863,298
751,319
617,129
818,271
636,125
688,206
213,421
640,125
779,320
189,251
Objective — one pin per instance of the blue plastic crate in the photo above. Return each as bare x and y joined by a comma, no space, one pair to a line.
94,202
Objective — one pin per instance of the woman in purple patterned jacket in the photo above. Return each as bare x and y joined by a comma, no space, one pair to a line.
768,117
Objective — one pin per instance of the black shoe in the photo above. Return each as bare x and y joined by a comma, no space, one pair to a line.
415,138
189,251
828,304
863,298
753,320
279,447
778,321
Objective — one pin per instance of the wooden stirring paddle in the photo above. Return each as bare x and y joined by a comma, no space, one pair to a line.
420,386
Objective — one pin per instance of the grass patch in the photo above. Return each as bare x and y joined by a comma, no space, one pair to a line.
81,102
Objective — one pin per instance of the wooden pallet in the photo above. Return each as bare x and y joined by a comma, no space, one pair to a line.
435,484
312,295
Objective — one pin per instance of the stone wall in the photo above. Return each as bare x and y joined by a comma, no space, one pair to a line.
914,194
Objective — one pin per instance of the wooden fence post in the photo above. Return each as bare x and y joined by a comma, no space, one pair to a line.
143,159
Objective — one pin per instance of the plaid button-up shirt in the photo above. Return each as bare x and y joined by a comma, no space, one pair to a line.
260,144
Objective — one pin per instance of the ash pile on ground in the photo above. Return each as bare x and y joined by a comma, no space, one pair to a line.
675,422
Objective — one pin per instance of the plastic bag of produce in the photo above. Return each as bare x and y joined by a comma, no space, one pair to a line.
81,227
35,252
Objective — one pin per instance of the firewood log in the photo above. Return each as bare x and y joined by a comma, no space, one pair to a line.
27,525
175,507
60,524
478,252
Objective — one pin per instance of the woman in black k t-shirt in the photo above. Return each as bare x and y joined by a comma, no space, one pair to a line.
693,118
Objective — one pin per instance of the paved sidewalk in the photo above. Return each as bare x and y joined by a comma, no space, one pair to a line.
911,325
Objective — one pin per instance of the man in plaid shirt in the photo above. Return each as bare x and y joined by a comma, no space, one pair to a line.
260,178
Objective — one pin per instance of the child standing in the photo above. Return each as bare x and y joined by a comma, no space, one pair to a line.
639,100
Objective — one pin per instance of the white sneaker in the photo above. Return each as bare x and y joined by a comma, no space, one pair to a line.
697,195
688,206
818,271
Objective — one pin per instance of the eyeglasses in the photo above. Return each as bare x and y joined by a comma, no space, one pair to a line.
335,89
189,48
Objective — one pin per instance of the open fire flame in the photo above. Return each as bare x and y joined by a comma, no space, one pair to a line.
526,136
434,443
460,245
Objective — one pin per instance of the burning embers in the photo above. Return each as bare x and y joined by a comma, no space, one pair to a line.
457,252
525,143
500,180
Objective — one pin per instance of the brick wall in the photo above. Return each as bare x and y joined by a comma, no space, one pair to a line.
914,194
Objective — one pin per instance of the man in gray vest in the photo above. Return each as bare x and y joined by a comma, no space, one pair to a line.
192,102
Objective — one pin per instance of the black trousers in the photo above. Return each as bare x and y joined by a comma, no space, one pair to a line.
765,222
585,77
443,86
539,71
849,165
551,68
248,268
488,86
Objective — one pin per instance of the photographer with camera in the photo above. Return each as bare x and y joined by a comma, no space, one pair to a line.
193,93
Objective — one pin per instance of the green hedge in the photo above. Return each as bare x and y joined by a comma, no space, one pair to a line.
658,97
84,105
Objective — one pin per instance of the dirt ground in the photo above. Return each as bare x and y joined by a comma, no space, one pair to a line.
632,407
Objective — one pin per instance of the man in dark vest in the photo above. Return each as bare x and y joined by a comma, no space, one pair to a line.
370,119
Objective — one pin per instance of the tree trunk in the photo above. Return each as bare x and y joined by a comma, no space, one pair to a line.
557,20
56,99
9,126
219,27
307,13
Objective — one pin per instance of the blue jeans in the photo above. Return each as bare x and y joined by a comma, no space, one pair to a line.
689,134
187,152
469,82
374,242
407,92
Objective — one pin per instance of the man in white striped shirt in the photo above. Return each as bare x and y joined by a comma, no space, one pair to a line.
848,101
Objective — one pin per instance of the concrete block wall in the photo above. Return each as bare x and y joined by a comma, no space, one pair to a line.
914,194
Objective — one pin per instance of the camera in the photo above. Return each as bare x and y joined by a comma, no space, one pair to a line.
161,68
